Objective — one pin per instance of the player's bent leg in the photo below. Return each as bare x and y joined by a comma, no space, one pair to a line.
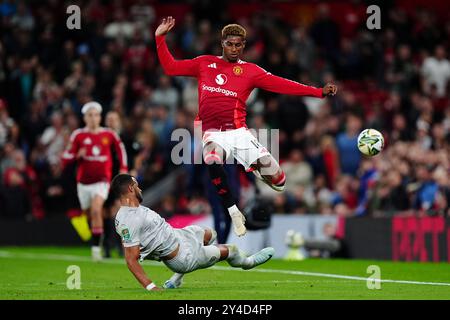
209,237
205,257
268,170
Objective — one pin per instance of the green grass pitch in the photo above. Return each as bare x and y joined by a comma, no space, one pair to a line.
41,273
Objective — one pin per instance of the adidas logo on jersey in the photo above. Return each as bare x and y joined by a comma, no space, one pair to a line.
87,141
212,65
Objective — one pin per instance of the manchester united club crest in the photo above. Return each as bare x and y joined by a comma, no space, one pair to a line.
237,70
105,141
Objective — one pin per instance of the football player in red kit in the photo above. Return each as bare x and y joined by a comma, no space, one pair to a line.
224,84
90,147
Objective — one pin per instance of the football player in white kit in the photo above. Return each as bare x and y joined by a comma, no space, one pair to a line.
146,235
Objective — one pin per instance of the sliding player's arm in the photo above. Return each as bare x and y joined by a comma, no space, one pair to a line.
267,81
132,259
172,67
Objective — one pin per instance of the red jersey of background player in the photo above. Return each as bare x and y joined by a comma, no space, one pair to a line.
223,87
96,165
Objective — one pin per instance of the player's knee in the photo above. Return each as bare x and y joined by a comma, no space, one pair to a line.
213,157
213,154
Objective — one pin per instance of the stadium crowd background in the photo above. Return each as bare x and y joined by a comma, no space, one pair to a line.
395,80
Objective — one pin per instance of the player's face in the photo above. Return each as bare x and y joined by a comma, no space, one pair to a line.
137,190
233,47
92,118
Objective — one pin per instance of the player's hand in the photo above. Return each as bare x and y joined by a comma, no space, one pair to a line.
166,25
81,153
329,90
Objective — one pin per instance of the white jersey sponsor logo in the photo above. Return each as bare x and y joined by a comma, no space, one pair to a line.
221,79
219,90
95,150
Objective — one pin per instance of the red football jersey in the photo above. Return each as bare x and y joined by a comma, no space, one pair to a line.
96,165
223,87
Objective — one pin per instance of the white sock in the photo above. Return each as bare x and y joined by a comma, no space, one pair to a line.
237,258
176,277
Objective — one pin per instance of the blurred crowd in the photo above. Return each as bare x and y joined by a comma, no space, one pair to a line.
395,80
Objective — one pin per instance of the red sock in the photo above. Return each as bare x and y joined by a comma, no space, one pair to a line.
96,236
280,180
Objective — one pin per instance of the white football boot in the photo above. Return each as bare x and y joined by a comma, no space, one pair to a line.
260,257
96,253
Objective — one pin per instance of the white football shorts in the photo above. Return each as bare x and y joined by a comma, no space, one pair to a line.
239,143
86,192
192,254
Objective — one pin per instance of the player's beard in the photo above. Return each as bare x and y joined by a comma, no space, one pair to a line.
139,196
234,58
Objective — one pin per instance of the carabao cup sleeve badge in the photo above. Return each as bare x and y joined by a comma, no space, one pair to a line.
125,233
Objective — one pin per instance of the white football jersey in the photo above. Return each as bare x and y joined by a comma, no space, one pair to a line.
140,226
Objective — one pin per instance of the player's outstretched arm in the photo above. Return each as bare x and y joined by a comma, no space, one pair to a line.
132,257
267,81
171,66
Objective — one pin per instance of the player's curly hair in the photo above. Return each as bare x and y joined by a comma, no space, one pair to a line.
233,30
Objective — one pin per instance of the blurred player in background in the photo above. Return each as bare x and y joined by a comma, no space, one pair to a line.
90,147
146,235
224,84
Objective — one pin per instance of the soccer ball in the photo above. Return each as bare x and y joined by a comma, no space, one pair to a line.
370,142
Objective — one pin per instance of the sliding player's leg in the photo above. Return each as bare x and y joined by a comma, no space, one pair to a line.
214,157
206,237
209,237
211,254
207,254
197,252
237,258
